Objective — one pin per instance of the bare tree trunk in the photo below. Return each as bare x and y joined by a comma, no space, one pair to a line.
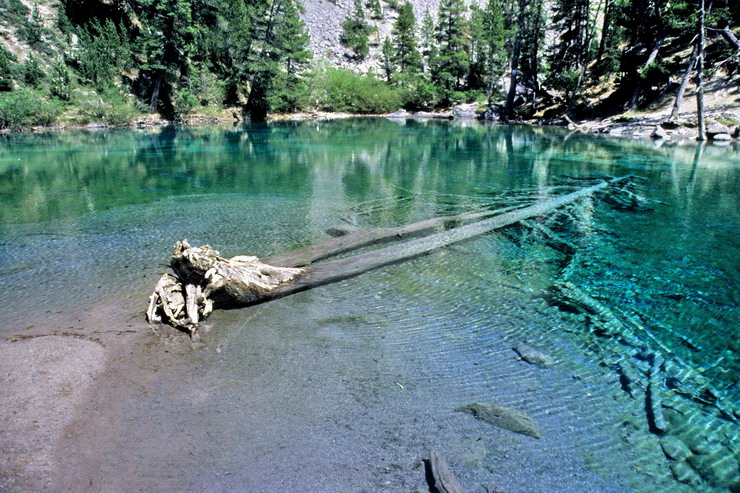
684,82
651,58
155,93
605,29
590,33
730,37
509,111
699,77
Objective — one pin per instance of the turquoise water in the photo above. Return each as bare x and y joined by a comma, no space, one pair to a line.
86,217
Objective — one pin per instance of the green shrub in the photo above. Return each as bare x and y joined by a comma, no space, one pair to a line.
344,90
417,92
32,73
109,105
184,101
26,108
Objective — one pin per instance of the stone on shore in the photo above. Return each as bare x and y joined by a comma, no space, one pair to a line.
400,113
464,112
659,133
721,137
715,128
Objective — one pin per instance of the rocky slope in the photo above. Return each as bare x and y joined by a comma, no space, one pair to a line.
324,18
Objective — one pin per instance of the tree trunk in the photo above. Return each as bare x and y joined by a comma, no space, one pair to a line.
699,77
684,82
605,30
375,236
155,92
204,279
651,58
509,111
730,37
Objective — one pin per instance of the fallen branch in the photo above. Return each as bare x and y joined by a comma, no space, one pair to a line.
204,279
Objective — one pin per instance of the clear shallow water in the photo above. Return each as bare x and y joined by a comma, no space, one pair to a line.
89,217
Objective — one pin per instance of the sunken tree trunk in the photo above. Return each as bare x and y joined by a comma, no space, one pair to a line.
203,279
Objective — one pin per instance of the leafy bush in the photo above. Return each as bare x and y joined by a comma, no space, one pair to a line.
344,90
26,108
184,101
108,105
417,92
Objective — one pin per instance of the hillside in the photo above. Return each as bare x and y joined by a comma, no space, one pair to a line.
80,61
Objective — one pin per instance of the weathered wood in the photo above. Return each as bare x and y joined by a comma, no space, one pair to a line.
205,279
368,237
337,270
443,481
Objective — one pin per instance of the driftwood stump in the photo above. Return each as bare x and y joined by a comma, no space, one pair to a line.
204,278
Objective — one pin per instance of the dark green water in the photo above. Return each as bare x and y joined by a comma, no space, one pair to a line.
88,216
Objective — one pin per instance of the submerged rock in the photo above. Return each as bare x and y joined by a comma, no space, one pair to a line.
502,417
674,448
533,356
683,473
719,467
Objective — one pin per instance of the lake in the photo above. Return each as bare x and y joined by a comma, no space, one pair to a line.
349,386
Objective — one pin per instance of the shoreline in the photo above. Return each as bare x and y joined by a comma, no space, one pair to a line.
650,126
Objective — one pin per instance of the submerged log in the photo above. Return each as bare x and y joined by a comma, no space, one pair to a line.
442,479
361,238
207,280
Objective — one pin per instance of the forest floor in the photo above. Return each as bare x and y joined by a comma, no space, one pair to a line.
721,101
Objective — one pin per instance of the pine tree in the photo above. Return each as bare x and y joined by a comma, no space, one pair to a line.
427,40
406,56
7,60
376,11
233,46
356,32
451,62
571,21
104,52
531,64
167,43
280,56
60,80
387,53
487,54
33,73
